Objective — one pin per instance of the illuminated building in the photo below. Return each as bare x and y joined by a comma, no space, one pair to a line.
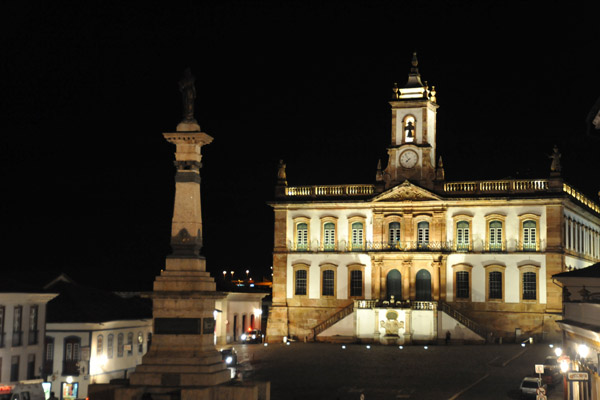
414,256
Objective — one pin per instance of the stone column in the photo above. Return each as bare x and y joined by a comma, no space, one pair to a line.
182,352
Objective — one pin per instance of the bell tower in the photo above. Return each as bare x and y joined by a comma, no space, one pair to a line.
412,149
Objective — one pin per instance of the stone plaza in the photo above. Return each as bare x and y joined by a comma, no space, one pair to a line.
330,371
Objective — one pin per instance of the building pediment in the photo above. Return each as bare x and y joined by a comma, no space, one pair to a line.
406,191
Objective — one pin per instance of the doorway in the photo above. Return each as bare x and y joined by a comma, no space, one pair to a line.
393,284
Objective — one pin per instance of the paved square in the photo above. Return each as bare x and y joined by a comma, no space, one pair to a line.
328,371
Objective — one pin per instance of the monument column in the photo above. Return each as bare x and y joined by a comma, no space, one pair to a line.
183,354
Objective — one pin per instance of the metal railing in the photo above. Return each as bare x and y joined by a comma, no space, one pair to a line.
463,319
476,246
349,309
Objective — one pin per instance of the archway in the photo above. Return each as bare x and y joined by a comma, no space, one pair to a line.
423,285
394,284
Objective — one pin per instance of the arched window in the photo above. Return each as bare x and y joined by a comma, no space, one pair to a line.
495,236
72,355
140,342
410,129
423,234
328,286
302,236
329,236
393,283
394,233
423,285
109,345
130,343
49,355
357,235
99,345
120,345
462,236
529,235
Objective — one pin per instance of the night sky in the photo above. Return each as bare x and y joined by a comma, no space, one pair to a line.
88,88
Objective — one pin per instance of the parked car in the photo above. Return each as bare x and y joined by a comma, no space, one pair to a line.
23,390
252,336
530,385
229,356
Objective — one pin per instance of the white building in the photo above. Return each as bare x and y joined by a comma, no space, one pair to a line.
581,329
237,313
22,330
92,337
482,252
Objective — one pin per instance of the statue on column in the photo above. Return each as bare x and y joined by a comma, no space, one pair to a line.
188,93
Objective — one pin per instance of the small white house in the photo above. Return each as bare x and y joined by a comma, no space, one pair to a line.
237,313
92,337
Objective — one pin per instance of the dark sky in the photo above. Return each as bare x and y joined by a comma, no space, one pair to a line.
88,88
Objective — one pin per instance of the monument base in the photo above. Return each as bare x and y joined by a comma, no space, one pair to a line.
230,391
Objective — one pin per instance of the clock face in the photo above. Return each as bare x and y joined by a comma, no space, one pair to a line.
408,159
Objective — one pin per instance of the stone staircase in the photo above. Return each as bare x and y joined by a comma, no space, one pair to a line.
463,319
332,320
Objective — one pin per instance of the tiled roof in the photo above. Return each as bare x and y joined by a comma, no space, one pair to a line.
77,303
593,271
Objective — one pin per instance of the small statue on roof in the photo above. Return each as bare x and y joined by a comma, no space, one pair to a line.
555,166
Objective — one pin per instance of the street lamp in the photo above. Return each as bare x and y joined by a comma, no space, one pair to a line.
558,351
583,350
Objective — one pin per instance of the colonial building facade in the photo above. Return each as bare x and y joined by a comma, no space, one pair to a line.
412,256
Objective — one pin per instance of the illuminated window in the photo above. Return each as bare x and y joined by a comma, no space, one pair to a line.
410,129
140,340
529,235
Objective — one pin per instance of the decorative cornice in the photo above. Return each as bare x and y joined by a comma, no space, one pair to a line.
406,192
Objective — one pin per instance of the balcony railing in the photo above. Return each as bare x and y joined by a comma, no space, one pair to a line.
476,246
17,339
33,337
497,186
504,186
330,190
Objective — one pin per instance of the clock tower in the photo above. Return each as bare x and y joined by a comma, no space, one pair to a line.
411,155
